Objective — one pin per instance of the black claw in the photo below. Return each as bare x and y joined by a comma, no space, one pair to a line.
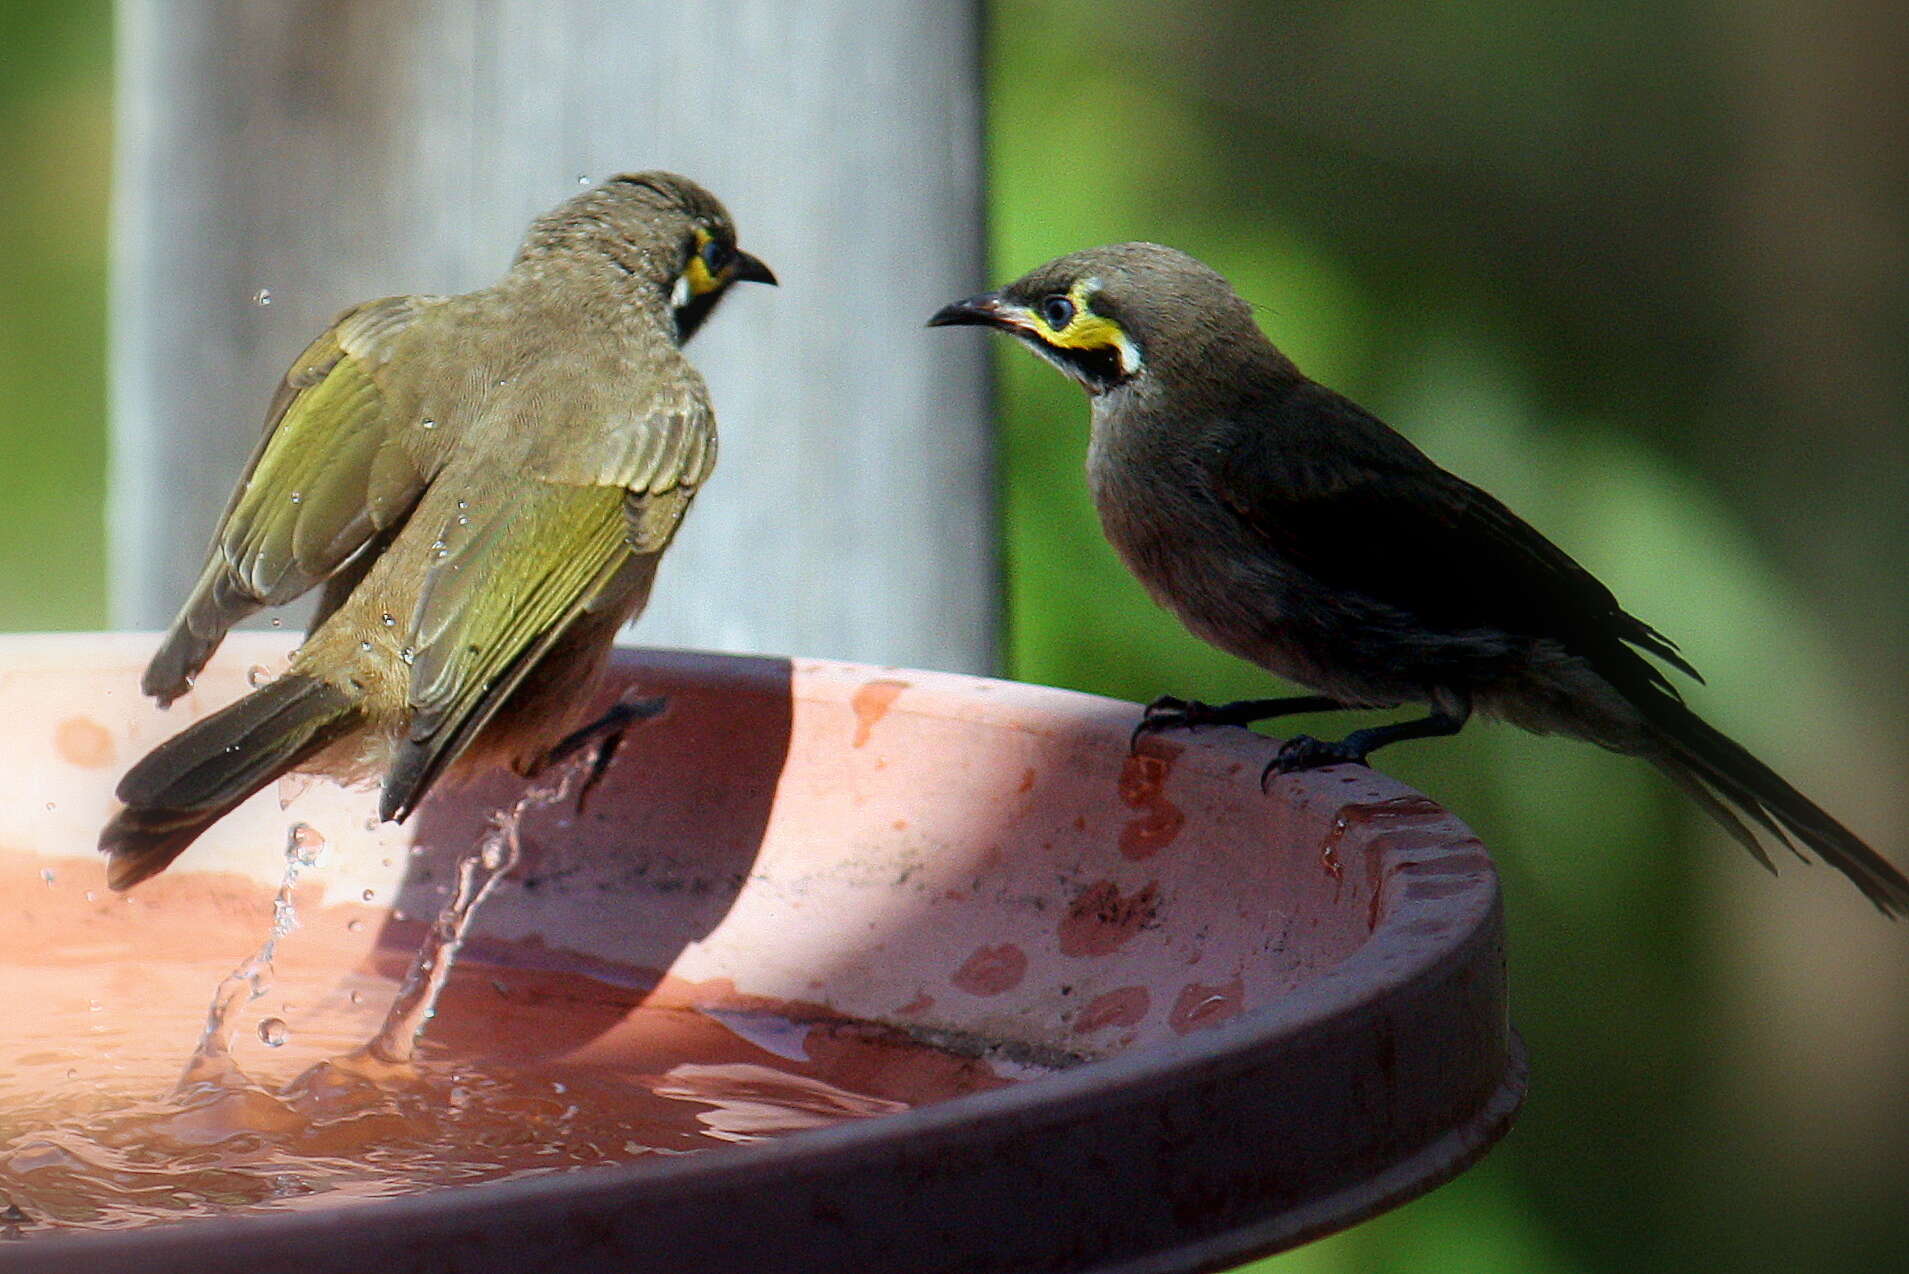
1303,752
1165,713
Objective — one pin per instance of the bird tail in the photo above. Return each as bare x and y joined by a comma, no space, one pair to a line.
195,778
1731,784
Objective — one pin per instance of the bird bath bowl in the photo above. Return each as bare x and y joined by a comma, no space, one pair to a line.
1060,1008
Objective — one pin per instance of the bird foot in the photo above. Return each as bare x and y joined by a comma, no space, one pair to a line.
603,737
1303,752
1170,713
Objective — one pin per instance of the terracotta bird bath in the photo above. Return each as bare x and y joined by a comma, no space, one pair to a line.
1049,1007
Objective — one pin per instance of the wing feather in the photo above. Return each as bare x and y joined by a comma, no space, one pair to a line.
508,581
328,475
1384,521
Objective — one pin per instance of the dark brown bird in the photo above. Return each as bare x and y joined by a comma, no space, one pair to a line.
1286,525
484,485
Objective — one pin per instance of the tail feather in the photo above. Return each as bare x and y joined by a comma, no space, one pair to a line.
1723,777
196,777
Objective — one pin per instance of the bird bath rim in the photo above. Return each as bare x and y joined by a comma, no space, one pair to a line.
1432,963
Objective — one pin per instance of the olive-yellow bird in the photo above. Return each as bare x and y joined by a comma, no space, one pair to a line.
483,484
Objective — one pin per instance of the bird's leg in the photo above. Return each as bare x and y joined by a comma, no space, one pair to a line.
1449,713
1169,713
605,734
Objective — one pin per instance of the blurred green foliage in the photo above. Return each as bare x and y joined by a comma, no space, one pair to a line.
1578,253
55,132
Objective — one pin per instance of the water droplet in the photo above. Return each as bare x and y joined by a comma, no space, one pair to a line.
398,913
459,1096
262,297
357,997
463,519
407,654
388,619
462,505
46,875
303,844
94,1006
583,179
354,926
90,896
277,622
369,894
257,675
51,806
291,786
428,423
298,497
438,544
72,1072
273,1032
556,1086
365,646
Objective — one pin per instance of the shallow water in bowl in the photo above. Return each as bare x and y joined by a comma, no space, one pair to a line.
526,1069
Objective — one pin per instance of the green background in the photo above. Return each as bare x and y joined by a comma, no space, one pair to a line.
1642,270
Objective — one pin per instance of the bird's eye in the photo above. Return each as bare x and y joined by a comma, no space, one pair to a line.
714,255
1058,311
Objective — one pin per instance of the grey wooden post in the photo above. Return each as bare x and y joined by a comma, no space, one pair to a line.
314,153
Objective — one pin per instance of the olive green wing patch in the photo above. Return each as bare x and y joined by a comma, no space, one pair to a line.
329,473
505,583
501,591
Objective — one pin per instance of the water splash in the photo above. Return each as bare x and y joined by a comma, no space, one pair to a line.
211,1061
750,1102
493,856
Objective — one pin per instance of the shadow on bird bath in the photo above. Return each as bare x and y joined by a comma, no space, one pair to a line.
854,906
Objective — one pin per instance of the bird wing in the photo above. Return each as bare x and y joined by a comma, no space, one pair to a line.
1335,491
331,471
508,581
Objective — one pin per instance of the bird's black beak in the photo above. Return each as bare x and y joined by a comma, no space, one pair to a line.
976,311
750,270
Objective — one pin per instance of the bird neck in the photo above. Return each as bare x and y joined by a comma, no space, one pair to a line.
616,285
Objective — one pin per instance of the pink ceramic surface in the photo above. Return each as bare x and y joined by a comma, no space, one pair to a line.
1273,1014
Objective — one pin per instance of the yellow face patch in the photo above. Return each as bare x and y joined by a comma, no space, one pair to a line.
1086,329
696,276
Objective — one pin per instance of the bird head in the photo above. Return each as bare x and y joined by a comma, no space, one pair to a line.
1109,317
659,231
